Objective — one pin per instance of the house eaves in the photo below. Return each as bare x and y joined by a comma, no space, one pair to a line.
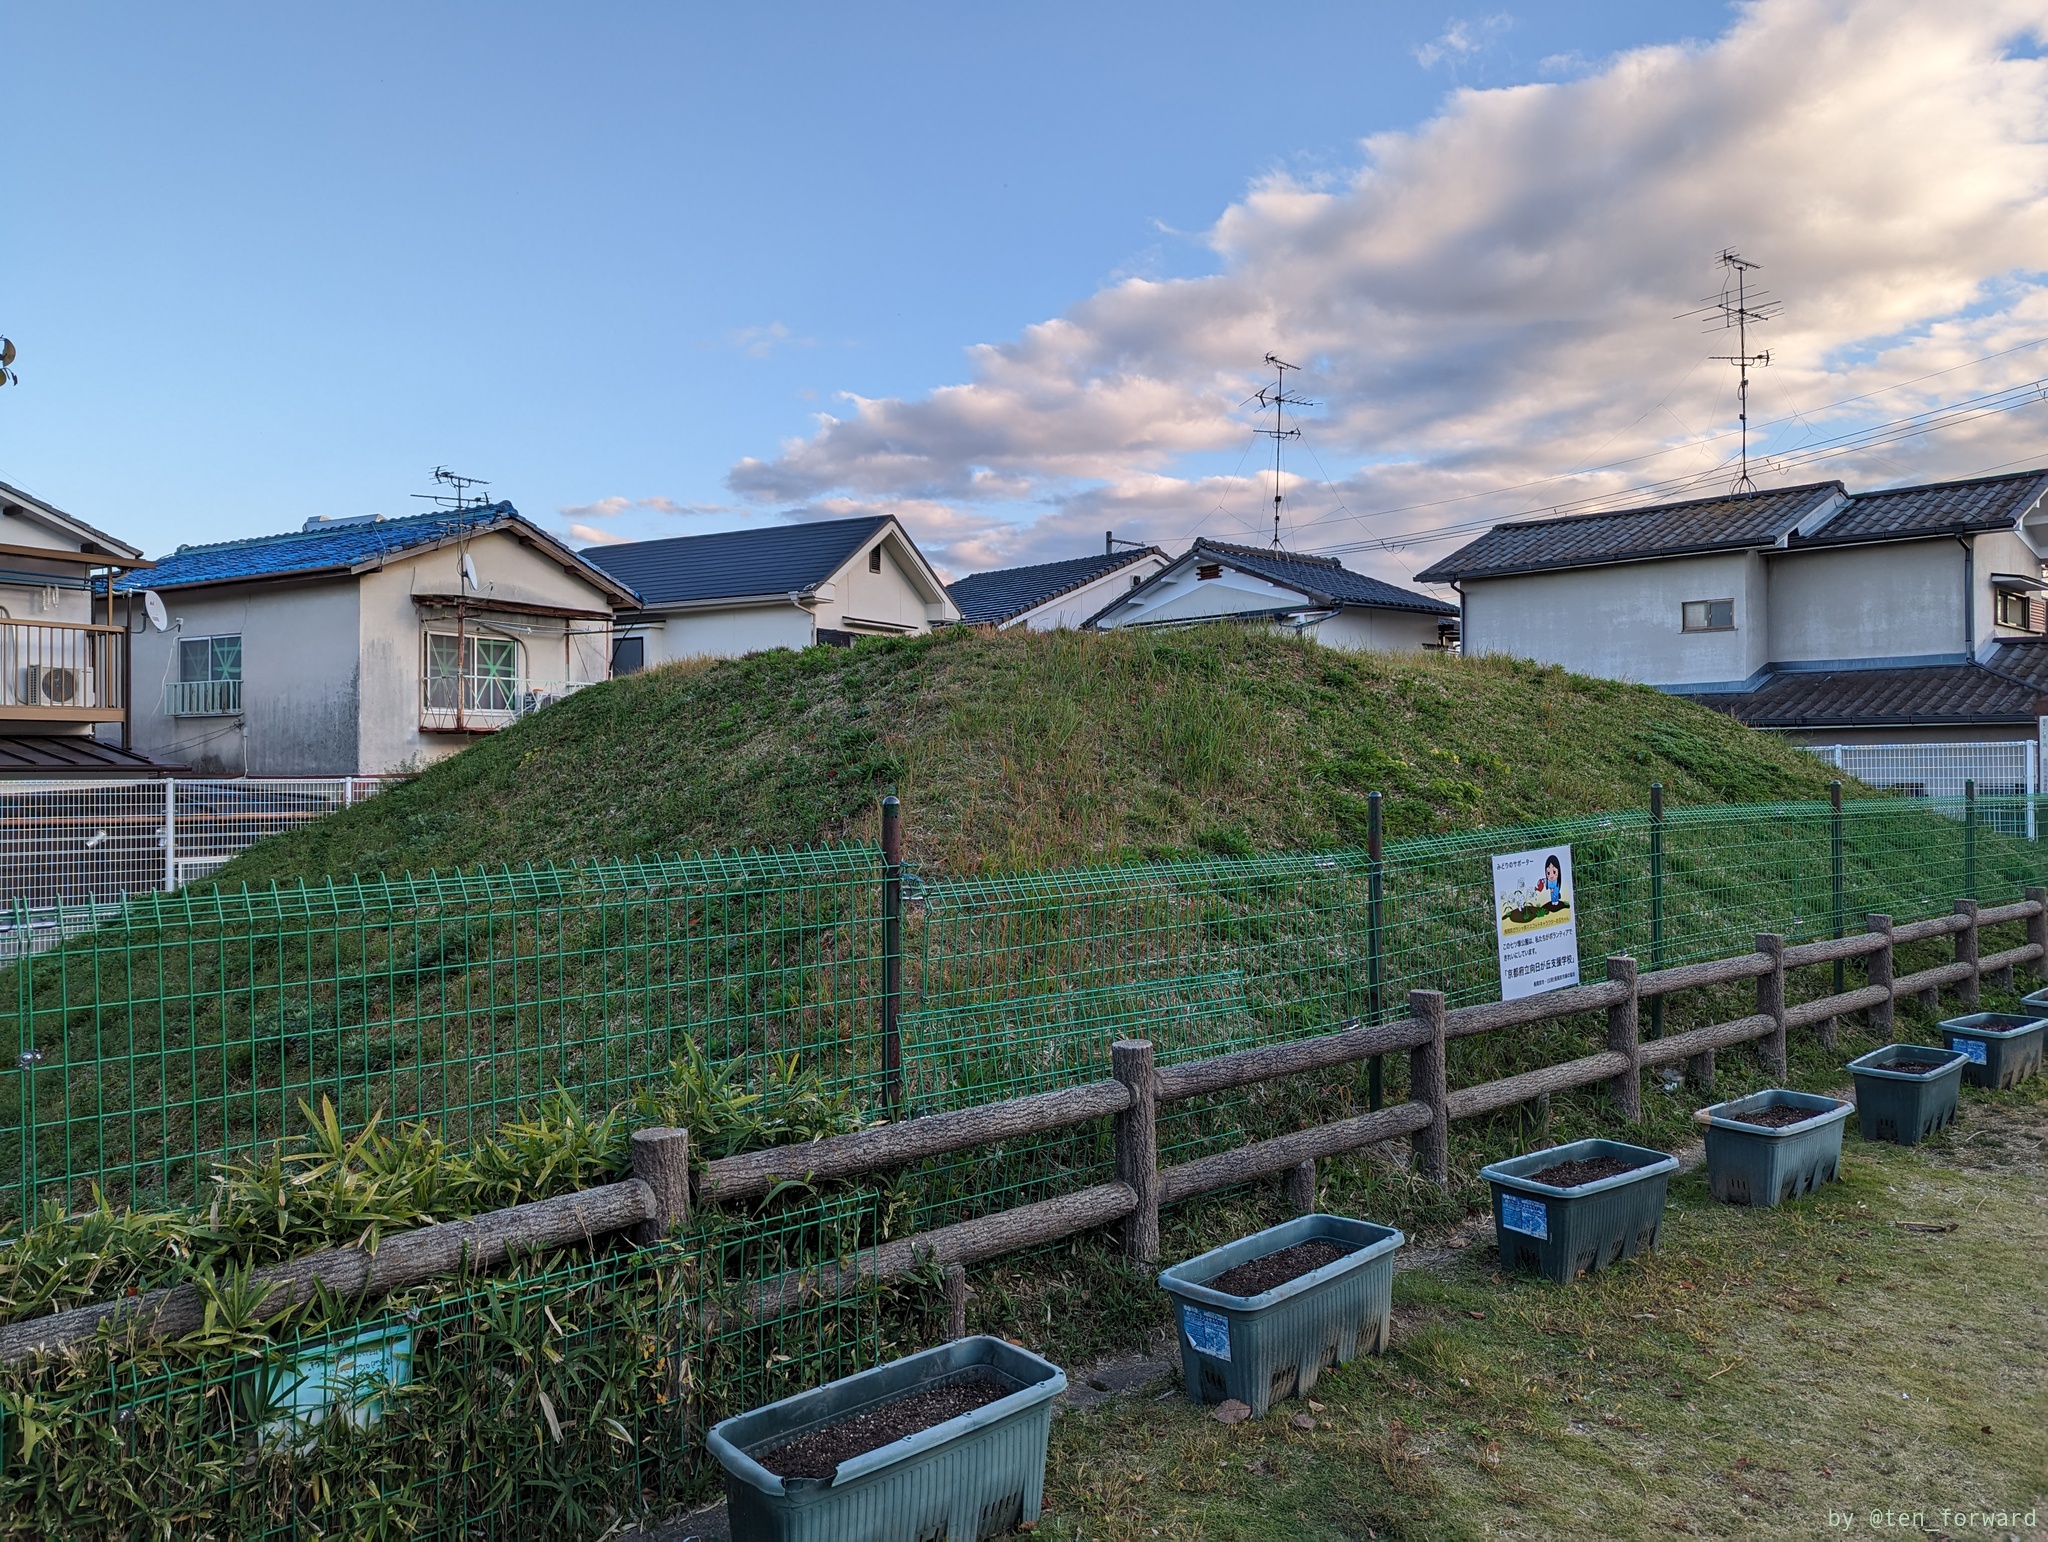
96,542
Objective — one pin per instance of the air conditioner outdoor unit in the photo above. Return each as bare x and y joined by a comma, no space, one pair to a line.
51,685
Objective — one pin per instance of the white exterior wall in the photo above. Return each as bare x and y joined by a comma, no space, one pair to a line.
726,632
1626,622
22,600
891,602
1998,551
299,686
1071,609
1365,628
1894,601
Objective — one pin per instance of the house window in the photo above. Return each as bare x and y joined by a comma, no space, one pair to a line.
629,656
875,560
209,660
478,674
1709,615
2021,612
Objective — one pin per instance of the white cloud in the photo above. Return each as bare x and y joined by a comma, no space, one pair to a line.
595,536
1461,40
763,342
1487,303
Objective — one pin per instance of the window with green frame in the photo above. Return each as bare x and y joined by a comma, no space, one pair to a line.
479,673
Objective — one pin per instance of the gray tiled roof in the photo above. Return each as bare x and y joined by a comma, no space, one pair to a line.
731,564
1982,503
1661,530
1944,694
990,599
1323,579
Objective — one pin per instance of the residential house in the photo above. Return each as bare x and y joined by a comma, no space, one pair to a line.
1909,619
1316,596
64,665
367,645
785,586
1050,595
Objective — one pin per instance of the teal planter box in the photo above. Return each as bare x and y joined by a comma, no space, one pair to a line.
2004,1048
1749,1164
1905,1107
1561,1233
978,1475
1265,1348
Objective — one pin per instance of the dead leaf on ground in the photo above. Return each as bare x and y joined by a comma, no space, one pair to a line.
1232,1411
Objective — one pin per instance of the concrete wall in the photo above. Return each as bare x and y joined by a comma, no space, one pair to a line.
725,632
1894,601
299,685
1366,628
1071,609
1626,622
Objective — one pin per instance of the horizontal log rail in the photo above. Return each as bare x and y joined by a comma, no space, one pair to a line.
662,1191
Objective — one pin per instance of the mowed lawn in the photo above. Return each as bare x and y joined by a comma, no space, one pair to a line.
1856,1363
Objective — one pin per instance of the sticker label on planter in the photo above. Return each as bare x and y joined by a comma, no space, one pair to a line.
1972,1048
1208,1332
1531,1217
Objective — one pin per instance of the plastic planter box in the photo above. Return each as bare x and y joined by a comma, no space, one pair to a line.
1261,1349
1750,1164
1561,1233
977,1475
2004,1048
1905,1107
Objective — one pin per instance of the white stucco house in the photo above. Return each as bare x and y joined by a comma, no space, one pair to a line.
64,665
1910,616
364,646
1316,596
1050,596
787,586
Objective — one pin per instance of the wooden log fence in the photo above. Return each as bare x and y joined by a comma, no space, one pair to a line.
663,1190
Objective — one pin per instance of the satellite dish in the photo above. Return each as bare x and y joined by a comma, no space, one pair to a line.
153,607
469,571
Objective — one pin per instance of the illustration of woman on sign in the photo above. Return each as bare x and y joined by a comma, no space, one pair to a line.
1550,889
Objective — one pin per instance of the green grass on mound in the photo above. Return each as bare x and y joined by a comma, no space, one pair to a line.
1026,750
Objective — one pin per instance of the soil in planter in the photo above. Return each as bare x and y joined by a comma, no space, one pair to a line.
1262,1274
1776,1118
1567,1175
1910,1067
819,1453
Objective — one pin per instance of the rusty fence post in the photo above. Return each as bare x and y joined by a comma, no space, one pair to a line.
1879,965
1624,1038
1427,1084
1137,1146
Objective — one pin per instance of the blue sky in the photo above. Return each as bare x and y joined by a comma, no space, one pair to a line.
267,262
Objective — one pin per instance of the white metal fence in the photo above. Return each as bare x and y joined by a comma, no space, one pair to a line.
78,843
1993,770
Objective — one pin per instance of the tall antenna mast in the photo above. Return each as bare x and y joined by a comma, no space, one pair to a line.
1740,312
1278,399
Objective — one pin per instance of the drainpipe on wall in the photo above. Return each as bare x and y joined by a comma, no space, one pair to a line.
1969,598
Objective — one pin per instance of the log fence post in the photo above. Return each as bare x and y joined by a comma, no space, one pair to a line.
2037,932
1879,965
1375,944
1301,1187
661,1160
1770,1002
956,1302
1966,953
1137,1146
1624,1038
1428,1085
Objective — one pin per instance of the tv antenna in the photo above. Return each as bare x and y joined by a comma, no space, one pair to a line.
1739,312
457,496
1277,398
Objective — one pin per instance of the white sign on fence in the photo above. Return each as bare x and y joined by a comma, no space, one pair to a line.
1534,922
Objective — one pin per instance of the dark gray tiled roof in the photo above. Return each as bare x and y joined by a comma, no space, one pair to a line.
781,559
990,599
1942,694
1660,530
1323,579
32,755
1983,503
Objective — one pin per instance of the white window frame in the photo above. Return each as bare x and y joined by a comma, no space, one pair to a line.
1685,610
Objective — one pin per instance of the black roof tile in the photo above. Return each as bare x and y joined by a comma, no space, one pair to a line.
37,755
992,598
1933,695
780,559
1982,503
1323,579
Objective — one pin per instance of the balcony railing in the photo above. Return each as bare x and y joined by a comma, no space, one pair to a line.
487,704
58,671
202,698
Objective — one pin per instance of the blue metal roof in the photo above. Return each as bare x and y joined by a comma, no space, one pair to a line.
732,564
990,599
312,551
